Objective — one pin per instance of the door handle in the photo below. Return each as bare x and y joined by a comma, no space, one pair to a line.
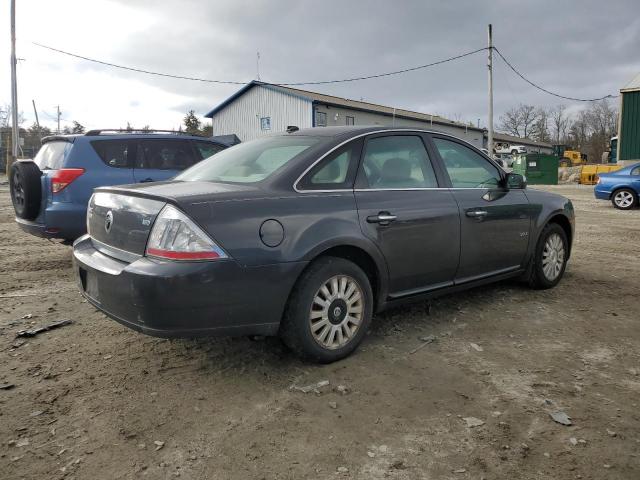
383,218
476,213
146,180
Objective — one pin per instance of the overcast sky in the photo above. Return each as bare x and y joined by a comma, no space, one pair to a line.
586,48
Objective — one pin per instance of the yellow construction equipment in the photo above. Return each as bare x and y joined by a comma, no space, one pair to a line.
589,173
572,158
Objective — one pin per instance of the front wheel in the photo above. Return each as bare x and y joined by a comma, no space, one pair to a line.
624,199
329,311
550,260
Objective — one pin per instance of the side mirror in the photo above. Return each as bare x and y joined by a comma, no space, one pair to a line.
515,181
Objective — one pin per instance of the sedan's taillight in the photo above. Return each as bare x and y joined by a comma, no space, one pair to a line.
176,237
63,177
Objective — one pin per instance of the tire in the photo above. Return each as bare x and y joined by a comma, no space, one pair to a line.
514,152
565,163
548,273
624,199
25,188
302,313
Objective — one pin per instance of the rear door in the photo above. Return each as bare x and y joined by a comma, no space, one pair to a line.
404,210
494,221
162,158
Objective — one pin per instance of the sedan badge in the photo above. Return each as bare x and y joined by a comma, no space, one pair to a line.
108,221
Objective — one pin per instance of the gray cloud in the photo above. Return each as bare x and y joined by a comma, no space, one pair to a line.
586,48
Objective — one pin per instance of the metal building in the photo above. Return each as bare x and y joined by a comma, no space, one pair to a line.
629,123
260,108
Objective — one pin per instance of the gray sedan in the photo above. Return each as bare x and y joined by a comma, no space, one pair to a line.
308,233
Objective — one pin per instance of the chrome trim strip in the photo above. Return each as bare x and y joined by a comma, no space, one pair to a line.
115,251
374,132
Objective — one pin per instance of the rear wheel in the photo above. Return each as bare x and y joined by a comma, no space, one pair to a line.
550,260
624,199
26,192
565,163
329,311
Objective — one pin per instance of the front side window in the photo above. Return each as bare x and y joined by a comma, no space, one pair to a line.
165,154
249,162
115,153
635,171
398,162
466,168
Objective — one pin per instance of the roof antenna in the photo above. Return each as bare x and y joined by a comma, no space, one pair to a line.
258,66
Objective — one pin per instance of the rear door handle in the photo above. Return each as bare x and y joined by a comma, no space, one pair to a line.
146,180
476,213
383,218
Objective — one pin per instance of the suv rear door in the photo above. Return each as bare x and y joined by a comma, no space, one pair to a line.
162,158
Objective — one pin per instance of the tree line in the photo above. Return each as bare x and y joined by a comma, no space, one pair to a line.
588,130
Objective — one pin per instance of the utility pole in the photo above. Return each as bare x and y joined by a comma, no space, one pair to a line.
35,111
14,91
490,120
58,110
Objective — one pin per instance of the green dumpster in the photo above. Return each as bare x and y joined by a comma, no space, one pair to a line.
538,168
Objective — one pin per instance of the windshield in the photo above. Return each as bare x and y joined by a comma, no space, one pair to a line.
248,162
51,155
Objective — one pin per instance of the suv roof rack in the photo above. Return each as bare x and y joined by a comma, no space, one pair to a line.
107,131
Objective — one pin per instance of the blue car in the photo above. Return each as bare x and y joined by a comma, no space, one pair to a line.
50,193
622,187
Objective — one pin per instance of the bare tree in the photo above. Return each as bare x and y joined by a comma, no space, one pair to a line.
519,120
559,122
540,128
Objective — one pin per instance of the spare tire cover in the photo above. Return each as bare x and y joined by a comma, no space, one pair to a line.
26,190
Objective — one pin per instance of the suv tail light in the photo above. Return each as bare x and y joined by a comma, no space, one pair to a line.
175,237
63,177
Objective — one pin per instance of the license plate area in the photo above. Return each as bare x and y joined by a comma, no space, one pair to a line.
89,283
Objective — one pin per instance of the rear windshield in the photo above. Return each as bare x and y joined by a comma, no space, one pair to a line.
51,155
248,162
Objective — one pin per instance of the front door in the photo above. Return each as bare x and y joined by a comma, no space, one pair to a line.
494,221
403,210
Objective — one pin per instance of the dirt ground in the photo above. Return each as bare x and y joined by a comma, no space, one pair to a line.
94,400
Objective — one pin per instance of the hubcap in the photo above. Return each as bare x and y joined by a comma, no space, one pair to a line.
18,193
553,257
336,312
623,199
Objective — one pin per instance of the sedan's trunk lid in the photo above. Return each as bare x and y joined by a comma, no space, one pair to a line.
120,219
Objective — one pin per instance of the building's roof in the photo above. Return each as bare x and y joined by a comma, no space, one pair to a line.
343,102
503,137
632,85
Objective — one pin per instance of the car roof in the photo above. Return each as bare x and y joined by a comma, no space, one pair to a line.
72,138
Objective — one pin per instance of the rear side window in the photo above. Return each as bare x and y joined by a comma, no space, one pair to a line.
115,153
336,171
51,155
206,149
165,155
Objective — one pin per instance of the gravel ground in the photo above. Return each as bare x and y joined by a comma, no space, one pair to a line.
93,400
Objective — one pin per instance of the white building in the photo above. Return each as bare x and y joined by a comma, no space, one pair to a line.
261,108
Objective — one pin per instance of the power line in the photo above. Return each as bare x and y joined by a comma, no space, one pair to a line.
139,70
387,74
544,89
325,82
290,84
